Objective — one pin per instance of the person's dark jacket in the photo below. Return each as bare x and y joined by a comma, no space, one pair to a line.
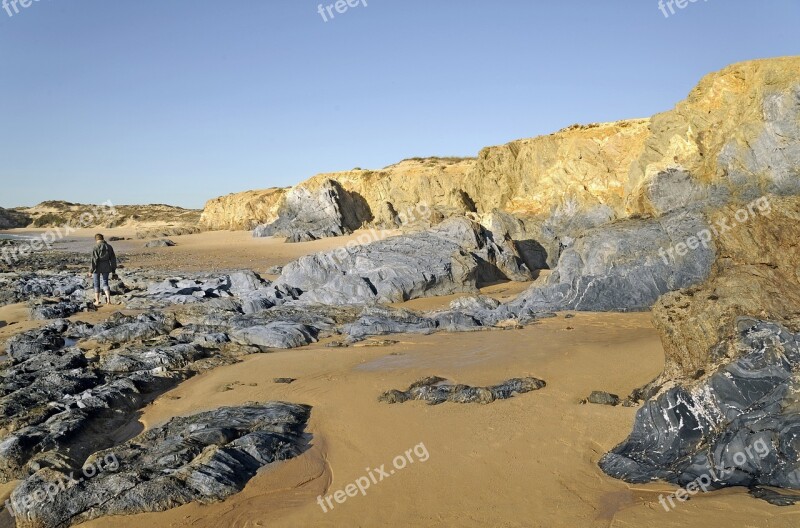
103,258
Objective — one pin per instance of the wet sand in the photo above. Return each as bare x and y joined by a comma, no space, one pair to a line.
524,462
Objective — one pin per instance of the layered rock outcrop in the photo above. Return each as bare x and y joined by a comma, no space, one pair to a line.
204,458
738,427
456,256
310,215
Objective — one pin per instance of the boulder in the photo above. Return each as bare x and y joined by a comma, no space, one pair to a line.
309,214
736,427
623,266
160,243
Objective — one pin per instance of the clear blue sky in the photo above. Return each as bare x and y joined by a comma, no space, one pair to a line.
179,101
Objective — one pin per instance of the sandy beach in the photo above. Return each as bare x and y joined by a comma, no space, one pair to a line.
529,461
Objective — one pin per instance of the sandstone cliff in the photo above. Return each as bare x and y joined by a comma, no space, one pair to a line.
242,211
731,138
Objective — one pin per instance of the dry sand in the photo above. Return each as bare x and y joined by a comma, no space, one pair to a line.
529,461
214,250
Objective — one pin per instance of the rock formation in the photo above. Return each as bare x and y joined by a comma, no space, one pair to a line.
12,219
629,214
436,390
736,427
756,273
309,215
204,458
455,256
733,139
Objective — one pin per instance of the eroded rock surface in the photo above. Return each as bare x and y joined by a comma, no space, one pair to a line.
310,215
204,458
737,427
436,390
455,256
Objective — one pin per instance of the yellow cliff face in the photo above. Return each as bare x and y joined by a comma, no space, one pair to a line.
735,135
732,128
576,168
242,211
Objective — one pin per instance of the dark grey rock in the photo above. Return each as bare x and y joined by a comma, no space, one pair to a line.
122,329
277,334
737,427
44,310
775,497
436,390
204,458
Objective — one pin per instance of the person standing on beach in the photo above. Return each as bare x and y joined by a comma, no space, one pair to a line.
104,263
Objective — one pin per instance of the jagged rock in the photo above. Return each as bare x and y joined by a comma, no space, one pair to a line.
527,237
30,286
381,320
474,304
455,256
307,214
55,398
153,359
160,243
246,281
44,310
436,390
204,458
737,427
